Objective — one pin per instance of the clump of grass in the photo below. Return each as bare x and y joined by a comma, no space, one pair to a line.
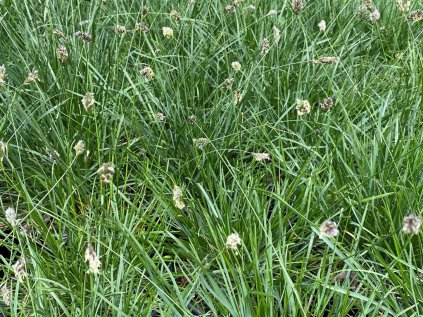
182,158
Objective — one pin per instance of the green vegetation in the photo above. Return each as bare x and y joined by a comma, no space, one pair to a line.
202,148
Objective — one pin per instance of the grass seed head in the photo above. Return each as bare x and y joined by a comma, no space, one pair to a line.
201,143
84,36
272,13
88,102
236,66
303,107
159,116
230,8
238,97
79,147
3,75
177,197
233,241
411,224
297,5
19,268
148,73
59,34
250,8
276,34
228,82
141,27
374,16
175,16
62,53
32,77
404,5
326,60
3,150
265,46
120,29
11,216
322,26
93,260
5,294
416,16
259,157
106,172
167,32
328,229
327,104
192,118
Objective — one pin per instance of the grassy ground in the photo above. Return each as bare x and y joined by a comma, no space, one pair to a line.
358,164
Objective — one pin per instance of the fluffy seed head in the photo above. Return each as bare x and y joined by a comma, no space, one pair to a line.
416,16
93,260
227,83
159,117
142,27
59,34
328,229
272,13
62,53
249,8
148,73
411,224
276,34
192,118
3,75
177,197
297,5
326,60
174,15
303,107
5,294
106,172
230,8
366,9
88,102
265,46
167,32
32,76
374,16
237,96
327,104
201,143
236,66
79,147
120,29
403,5
53,155
84,36
322,26
369,5
28,230
19,268
238,2
233,241
11,216
3,150
261,156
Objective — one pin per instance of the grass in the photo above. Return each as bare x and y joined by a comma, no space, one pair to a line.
359,164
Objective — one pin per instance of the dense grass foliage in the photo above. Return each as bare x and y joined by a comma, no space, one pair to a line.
358,164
